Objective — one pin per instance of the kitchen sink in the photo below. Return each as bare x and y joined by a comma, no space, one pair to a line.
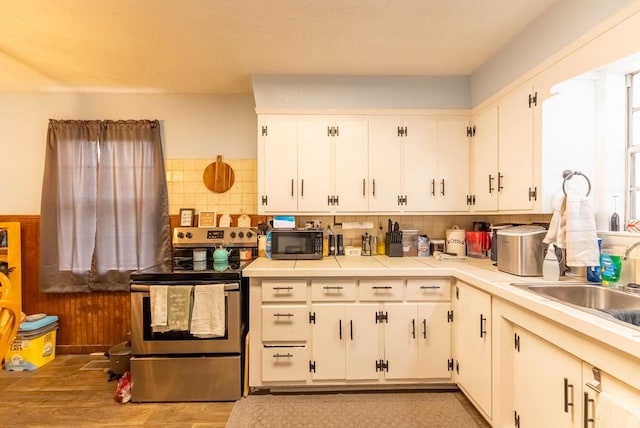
605,302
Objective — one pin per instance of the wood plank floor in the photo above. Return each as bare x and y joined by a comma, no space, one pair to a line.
62,394
73,391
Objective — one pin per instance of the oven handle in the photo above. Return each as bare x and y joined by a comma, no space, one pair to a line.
145,288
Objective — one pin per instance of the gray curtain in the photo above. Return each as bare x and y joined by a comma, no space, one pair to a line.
105,208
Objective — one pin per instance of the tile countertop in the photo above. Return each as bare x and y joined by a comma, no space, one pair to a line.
480,273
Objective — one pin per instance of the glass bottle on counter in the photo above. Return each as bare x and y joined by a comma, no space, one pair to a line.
380,247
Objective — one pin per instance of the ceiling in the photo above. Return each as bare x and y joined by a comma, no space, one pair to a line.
214,46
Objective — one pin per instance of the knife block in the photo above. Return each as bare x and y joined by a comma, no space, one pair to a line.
393,249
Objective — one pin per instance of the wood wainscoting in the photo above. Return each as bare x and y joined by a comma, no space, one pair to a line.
88,322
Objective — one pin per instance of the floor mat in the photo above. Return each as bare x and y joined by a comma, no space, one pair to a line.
369,410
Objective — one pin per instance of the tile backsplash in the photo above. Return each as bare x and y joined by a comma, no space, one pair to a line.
187,189
433,226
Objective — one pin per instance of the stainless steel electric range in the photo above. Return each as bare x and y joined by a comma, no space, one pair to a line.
174,365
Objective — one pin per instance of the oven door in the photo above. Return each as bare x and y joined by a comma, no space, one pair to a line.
146,342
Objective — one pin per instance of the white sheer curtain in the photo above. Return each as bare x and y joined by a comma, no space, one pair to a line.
104,204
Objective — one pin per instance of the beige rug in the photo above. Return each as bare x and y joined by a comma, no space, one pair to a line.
370,410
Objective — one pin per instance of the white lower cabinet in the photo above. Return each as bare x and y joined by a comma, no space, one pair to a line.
472,344
604,398
284,363
547,382
417,340
345,341
336,331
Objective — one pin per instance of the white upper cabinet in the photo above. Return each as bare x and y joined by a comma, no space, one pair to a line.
515,150
452,157
420,164
359,164
315,165
278,157
503,154
385,153
351,166
311,164
484,160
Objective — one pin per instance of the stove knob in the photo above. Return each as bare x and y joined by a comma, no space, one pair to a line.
240,235
180,235
249,234
232,234
189,235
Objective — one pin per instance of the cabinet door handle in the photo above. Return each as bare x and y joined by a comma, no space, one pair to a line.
292,187
374,187
364,181
483,332
585,410
442,187
340,329
278,315
282,355
424,328
567,404
413,328
500,178
433,187
491,189
302,187
351,329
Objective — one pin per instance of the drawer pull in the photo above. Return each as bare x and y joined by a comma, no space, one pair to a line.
282,355
278,314
282,288
381,287
430,287
333,287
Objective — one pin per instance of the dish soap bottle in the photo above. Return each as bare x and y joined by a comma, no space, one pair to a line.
550,265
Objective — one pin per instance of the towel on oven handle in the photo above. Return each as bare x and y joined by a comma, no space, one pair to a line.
158,296
179,307
209,314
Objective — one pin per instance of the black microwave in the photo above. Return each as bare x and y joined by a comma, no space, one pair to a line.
296,244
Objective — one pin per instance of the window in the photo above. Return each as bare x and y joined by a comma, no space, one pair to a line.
104,210
633,145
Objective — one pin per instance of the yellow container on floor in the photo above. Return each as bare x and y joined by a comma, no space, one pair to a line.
34,346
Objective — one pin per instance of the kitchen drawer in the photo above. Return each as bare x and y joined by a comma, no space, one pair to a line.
382,289
333,290
284,291
284,363
284,323
428,289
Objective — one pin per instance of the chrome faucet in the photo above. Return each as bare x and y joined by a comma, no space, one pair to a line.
630,249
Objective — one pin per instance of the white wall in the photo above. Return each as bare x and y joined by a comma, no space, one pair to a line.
563,23
361,92
194,126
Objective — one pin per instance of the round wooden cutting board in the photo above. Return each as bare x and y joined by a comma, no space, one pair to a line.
218,176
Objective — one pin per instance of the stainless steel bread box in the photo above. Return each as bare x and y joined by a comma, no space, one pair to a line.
521,250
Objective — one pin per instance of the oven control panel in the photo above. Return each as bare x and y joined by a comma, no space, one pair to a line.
188,237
